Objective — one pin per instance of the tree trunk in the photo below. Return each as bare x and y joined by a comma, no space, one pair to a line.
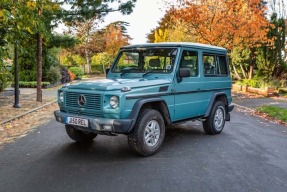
252,63
88,61
251,70
39,67
236,73
243,71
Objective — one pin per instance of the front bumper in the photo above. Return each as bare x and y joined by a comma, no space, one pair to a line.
97,125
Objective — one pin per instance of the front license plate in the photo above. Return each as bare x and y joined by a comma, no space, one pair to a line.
77,121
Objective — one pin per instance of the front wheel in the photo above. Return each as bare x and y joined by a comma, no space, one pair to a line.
78,135
148,133
214,124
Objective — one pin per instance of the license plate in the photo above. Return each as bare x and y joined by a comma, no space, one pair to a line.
77,121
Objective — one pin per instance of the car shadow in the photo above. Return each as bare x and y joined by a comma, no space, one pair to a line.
109,149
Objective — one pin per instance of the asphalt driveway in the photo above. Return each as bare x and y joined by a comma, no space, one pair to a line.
249,155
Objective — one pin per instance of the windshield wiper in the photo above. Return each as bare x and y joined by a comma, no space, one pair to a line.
125,71
146,73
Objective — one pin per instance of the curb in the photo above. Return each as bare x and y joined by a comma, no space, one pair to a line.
28,112
246,108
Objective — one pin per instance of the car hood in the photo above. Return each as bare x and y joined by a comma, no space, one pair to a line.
117,84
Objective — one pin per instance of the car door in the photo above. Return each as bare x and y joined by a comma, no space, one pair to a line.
187,90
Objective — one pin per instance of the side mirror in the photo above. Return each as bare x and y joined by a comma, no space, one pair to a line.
184,72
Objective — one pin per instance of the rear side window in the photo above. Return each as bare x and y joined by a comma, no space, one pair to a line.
215,65
222,65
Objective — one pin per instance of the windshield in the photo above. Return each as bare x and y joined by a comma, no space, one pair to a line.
145,60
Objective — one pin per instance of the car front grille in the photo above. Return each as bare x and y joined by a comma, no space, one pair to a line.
91,107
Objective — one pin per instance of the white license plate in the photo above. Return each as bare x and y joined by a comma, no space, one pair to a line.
77,121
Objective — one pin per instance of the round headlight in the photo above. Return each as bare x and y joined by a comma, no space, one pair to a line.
61,97
114,102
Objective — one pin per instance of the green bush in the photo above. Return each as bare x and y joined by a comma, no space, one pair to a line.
78,71
101,61
97,69
31,84
53,75
282,90
27,75
250,82
5,79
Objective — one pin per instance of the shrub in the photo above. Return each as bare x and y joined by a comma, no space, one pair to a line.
5,79
250,82
101,61
78,71
65,75
97,69
53,75
282,90
72,75
31,84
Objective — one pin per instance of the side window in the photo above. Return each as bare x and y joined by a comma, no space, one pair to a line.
189,59
214,65
209,63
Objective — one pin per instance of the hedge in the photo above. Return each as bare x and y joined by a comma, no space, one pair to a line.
31,84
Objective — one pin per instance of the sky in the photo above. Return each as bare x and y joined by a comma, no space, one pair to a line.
144,17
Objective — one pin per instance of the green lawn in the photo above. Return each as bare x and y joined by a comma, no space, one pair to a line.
274,111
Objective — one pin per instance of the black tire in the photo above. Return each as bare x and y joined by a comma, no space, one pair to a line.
79,136
214,124
148,133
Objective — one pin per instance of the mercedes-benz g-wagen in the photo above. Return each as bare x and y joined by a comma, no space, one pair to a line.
148,87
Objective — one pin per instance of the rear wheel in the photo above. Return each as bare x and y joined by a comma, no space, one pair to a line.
148,133
214,124
78,135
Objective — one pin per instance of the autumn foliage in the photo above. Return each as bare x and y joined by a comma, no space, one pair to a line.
72,75
224,23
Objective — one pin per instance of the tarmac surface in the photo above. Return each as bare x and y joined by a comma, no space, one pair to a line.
249,155
241,99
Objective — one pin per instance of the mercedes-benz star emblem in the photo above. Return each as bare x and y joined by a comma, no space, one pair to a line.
81,100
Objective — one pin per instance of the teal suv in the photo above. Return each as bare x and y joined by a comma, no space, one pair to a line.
148,87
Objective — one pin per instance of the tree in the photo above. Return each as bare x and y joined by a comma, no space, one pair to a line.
84,32
270,60
160,35
115,36
24,19
228,24
81,10
224,23
84,17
